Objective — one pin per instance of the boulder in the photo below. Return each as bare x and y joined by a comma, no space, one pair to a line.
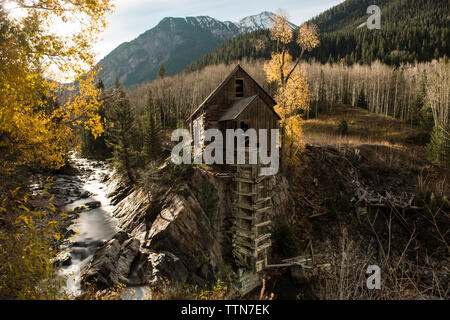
85,195
93,204
166,265
64,259
111,263
104,177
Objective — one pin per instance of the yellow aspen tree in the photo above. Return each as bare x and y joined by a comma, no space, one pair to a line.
36,122
38,119
293,94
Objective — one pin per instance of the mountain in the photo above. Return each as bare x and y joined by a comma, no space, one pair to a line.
174,42
412,30
262,21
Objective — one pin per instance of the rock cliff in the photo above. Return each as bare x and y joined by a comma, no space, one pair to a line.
180,231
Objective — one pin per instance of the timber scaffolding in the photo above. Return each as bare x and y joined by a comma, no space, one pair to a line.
252,208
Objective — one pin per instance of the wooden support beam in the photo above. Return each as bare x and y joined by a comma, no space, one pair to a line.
245,217
264,246
252,207
263,238
263,224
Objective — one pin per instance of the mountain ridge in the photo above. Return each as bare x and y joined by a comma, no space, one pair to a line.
175,42
409,29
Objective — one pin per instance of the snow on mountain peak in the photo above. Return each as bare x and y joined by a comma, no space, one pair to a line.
264,20
260,21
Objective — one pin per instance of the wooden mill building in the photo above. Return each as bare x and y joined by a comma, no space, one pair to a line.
240,102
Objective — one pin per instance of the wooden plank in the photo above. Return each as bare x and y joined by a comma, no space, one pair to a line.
263,238
263,224
245,217
259,265
263,247
245,234
253,208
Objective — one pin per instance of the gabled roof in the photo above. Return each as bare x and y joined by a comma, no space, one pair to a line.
239,106
222,84
236,109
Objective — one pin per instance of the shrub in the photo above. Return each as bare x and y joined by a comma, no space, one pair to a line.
362,102
432,204
438,150
27,248
287,242
209,200
343,127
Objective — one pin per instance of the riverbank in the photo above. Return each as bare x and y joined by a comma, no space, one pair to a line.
79,193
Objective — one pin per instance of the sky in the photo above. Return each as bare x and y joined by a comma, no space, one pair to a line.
133,17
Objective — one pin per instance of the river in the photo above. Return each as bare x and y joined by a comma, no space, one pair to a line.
85,192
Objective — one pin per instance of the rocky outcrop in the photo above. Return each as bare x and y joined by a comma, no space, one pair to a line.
111,263
179,231
183,229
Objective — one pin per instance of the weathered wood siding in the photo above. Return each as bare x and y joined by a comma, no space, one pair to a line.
257,116
227,95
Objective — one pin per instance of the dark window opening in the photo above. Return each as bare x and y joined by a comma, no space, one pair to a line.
244,127
239,88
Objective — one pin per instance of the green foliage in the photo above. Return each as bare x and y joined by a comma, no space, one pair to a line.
121,133
286,241
432,204
177,173
409,29
218,292
162,72
426,124
362,102
209,200
419,103
151,131
438,150
28,247
343,127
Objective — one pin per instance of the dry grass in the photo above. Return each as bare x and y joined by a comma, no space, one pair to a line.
364,128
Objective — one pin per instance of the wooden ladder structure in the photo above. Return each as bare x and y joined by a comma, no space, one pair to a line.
252,225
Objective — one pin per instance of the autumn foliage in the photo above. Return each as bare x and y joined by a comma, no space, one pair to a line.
293,94
39,117
36,124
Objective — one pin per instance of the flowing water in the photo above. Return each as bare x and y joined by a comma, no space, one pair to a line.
92,226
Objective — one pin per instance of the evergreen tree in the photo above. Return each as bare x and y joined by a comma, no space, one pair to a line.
151,131
438,150
343,127
362,102
162,72
419,103
120,133
426,123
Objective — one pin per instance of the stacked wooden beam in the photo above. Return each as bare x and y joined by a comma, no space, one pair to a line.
252,208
